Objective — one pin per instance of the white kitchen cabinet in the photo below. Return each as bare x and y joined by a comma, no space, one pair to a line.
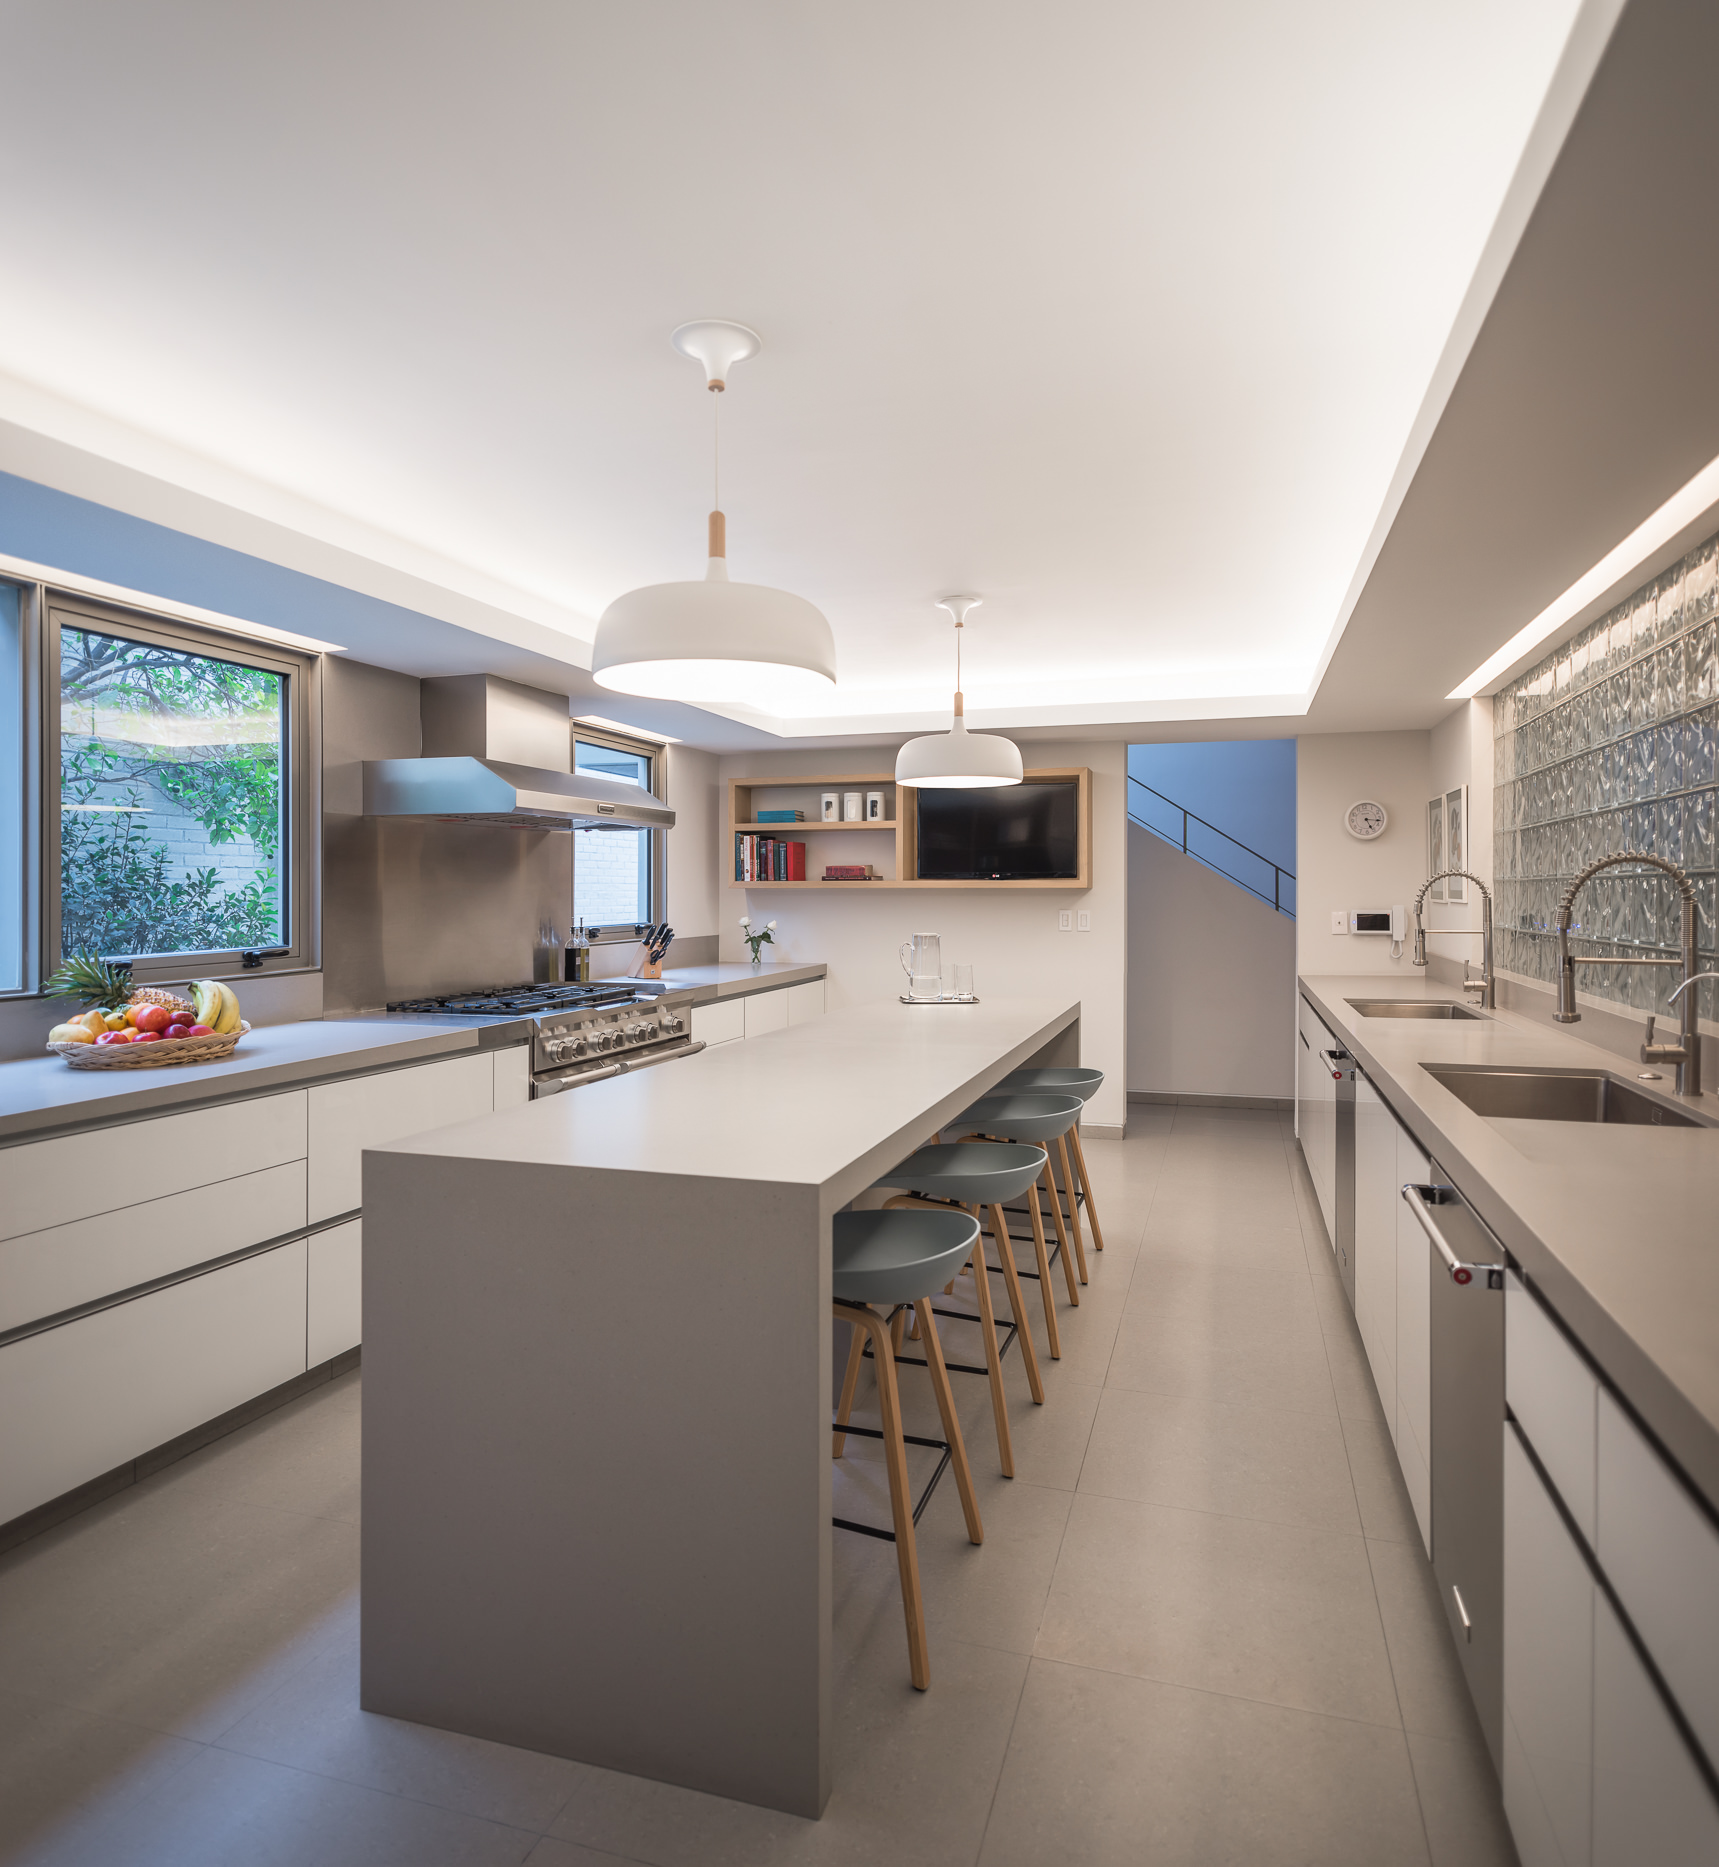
1316,1111
513,1077
76,1176
1553,1393
805,1001
370,1111
1661,1553
721,1022
1650,1802
43,1273
334,1292
78,1400
1548,1674
1376,1205
766,1012
1414,1341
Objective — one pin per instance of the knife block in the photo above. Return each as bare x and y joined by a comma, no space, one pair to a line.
643,968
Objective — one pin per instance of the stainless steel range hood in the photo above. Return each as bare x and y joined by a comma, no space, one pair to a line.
497,752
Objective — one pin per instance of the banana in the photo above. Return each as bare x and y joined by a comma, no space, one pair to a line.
206,996
230,1019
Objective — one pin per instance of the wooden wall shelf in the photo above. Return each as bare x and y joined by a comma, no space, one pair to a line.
901,827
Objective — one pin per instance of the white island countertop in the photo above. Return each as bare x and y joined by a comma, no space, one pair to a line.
597,1389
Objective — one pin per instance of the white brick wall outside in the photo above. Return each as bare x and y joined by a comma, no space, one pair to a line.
611,876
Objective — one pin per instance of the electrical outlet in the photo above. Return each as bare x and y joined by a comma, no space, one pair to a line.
1064,921
1083,921
1340,922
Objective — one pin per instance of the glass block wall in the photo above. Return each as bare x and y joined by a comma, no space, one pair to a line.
1609,744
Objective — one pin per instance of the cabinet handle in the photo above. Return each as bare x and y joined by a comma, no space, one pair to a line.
1418,1199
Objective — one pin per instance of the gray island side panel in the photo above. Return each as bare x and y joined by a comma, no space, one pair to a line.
597,1380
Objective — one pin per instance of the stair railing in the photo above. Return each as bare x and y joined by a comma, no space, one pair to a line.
1279,874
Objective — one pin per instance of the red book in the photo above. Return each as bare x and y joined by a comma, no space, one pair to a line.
796,862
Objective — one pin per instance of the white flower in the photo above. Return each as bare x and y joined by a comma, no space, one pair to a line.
772,923
745,920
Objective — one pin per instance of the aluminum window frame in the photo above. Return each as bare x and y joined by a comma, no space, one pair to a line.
301,786
26,758
655,753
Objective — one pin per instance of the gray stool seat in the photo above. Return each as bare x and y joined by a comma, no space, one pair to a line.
974,1173
1062,1082
898,1257
1037,1117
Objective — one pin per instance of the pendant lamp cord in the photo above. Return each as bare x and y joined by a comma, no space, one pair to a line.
716,453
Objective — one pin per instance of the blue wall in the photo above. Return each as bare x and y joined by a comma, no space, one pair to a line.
72,534
1246,787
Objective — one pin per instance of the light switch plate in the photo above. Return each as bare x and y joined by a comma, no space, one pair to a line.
1340,922
1064,921
1083,921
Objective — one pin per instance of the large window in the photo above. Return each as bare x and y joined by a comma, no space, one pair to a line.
614,870
177,755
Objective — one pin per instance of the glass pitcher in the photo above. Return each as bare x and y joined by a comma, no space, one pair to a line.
922,960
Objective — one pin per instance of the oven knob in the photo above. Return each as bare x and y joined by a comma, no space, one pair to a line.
674,1024
577,1046
634,1033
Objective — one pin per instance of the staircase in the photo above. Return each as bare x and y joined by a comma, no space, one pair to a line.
1178,826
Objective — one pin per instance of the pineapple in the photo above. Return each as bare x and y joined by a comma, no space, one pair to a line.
159,995
105,984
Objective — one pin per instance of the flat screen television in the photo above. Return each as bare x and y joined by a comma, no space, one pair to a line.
1017,832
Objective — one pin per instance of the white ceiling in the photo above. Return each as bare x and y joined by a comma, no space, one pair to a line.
1120,315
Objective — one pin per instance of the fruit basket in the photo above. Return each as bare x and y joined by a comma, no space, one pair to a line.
164,1055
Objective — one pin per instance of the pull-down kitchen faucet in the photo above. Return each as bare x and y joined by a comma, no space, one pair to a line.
1486,984
1686,1053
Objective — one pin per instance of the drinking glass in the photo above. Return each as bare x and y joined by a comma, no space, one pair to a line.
963,982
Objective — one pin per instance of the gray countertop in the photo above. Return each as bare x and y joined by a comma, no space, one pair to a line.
1617,1225
738,978
44,1096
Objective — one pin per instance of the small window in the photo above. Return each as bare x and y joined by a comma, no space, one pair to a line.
614,870
174,783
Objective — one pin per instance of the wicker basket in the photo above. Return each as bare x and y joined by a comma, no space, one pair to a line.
165,1055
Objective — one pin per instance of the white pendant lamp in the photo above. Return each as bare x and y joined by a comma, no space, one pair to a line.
714,640
958,760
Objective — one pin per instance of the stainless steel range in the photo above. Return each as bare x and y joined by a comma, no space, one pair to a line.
584,1033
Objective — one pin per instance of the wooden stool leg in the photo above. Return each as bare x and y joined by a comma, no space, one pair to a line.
1073,1213
951,1423
850,1380
1045,1296
1017,1308
1086,1187
900,1497
1062,1236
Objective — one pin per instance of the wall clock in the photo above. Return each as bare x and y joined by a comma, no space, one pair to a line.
1366,820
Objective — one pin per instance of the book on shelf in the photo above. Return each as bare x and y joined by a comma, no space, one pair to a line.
768,859
848,872
781,816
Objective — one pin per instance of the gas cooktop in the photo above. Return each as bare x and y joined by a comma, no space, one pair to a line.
500,1000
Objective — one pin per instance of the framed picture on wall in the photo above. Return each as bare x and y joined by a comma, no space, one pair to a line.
1456,841
1435,846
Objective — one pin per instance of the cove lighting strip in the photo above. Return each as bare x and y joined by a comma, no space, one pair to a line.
1683,508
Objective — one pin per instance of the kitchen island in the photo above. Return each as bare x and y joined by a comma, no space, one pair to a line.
597,1486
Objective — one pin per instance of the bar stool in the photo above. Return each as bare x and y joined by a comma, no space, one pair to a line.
1065,1082
1039,1119
899,1259
974,1175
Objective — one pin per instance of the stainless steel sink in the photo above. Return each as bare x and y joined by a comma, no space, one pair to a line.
1412,1008
1558,1095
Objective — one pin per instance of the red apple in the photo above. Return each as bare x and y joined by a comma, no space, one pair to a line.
114,1037
148,1037
200,1030
155,1018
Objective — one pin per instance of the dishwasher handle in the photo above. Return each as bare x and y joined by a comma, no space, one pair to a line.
1420,1200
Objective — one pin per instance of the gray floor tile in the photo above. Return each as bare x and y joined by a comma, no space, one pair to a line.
914,1777
1224,1604
1111,1771
302,1458
550,1852
1204,1455
314,1723
58,1764
223,1810
1460,1803
182,1620
1386,1513
1430,1686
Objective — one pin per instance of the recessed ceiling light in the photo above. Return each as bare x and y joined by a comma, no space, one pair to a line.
1657,530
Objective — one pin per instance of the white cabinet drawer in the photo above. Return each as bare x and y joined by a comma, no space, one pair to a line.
766,1012
43,1273
1552,1394
79,1400
1377,1199
75,1176
370,1111
1662,1556
513,1077
1414,1341
806,1001
1650,1802
723,1022
334,1290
